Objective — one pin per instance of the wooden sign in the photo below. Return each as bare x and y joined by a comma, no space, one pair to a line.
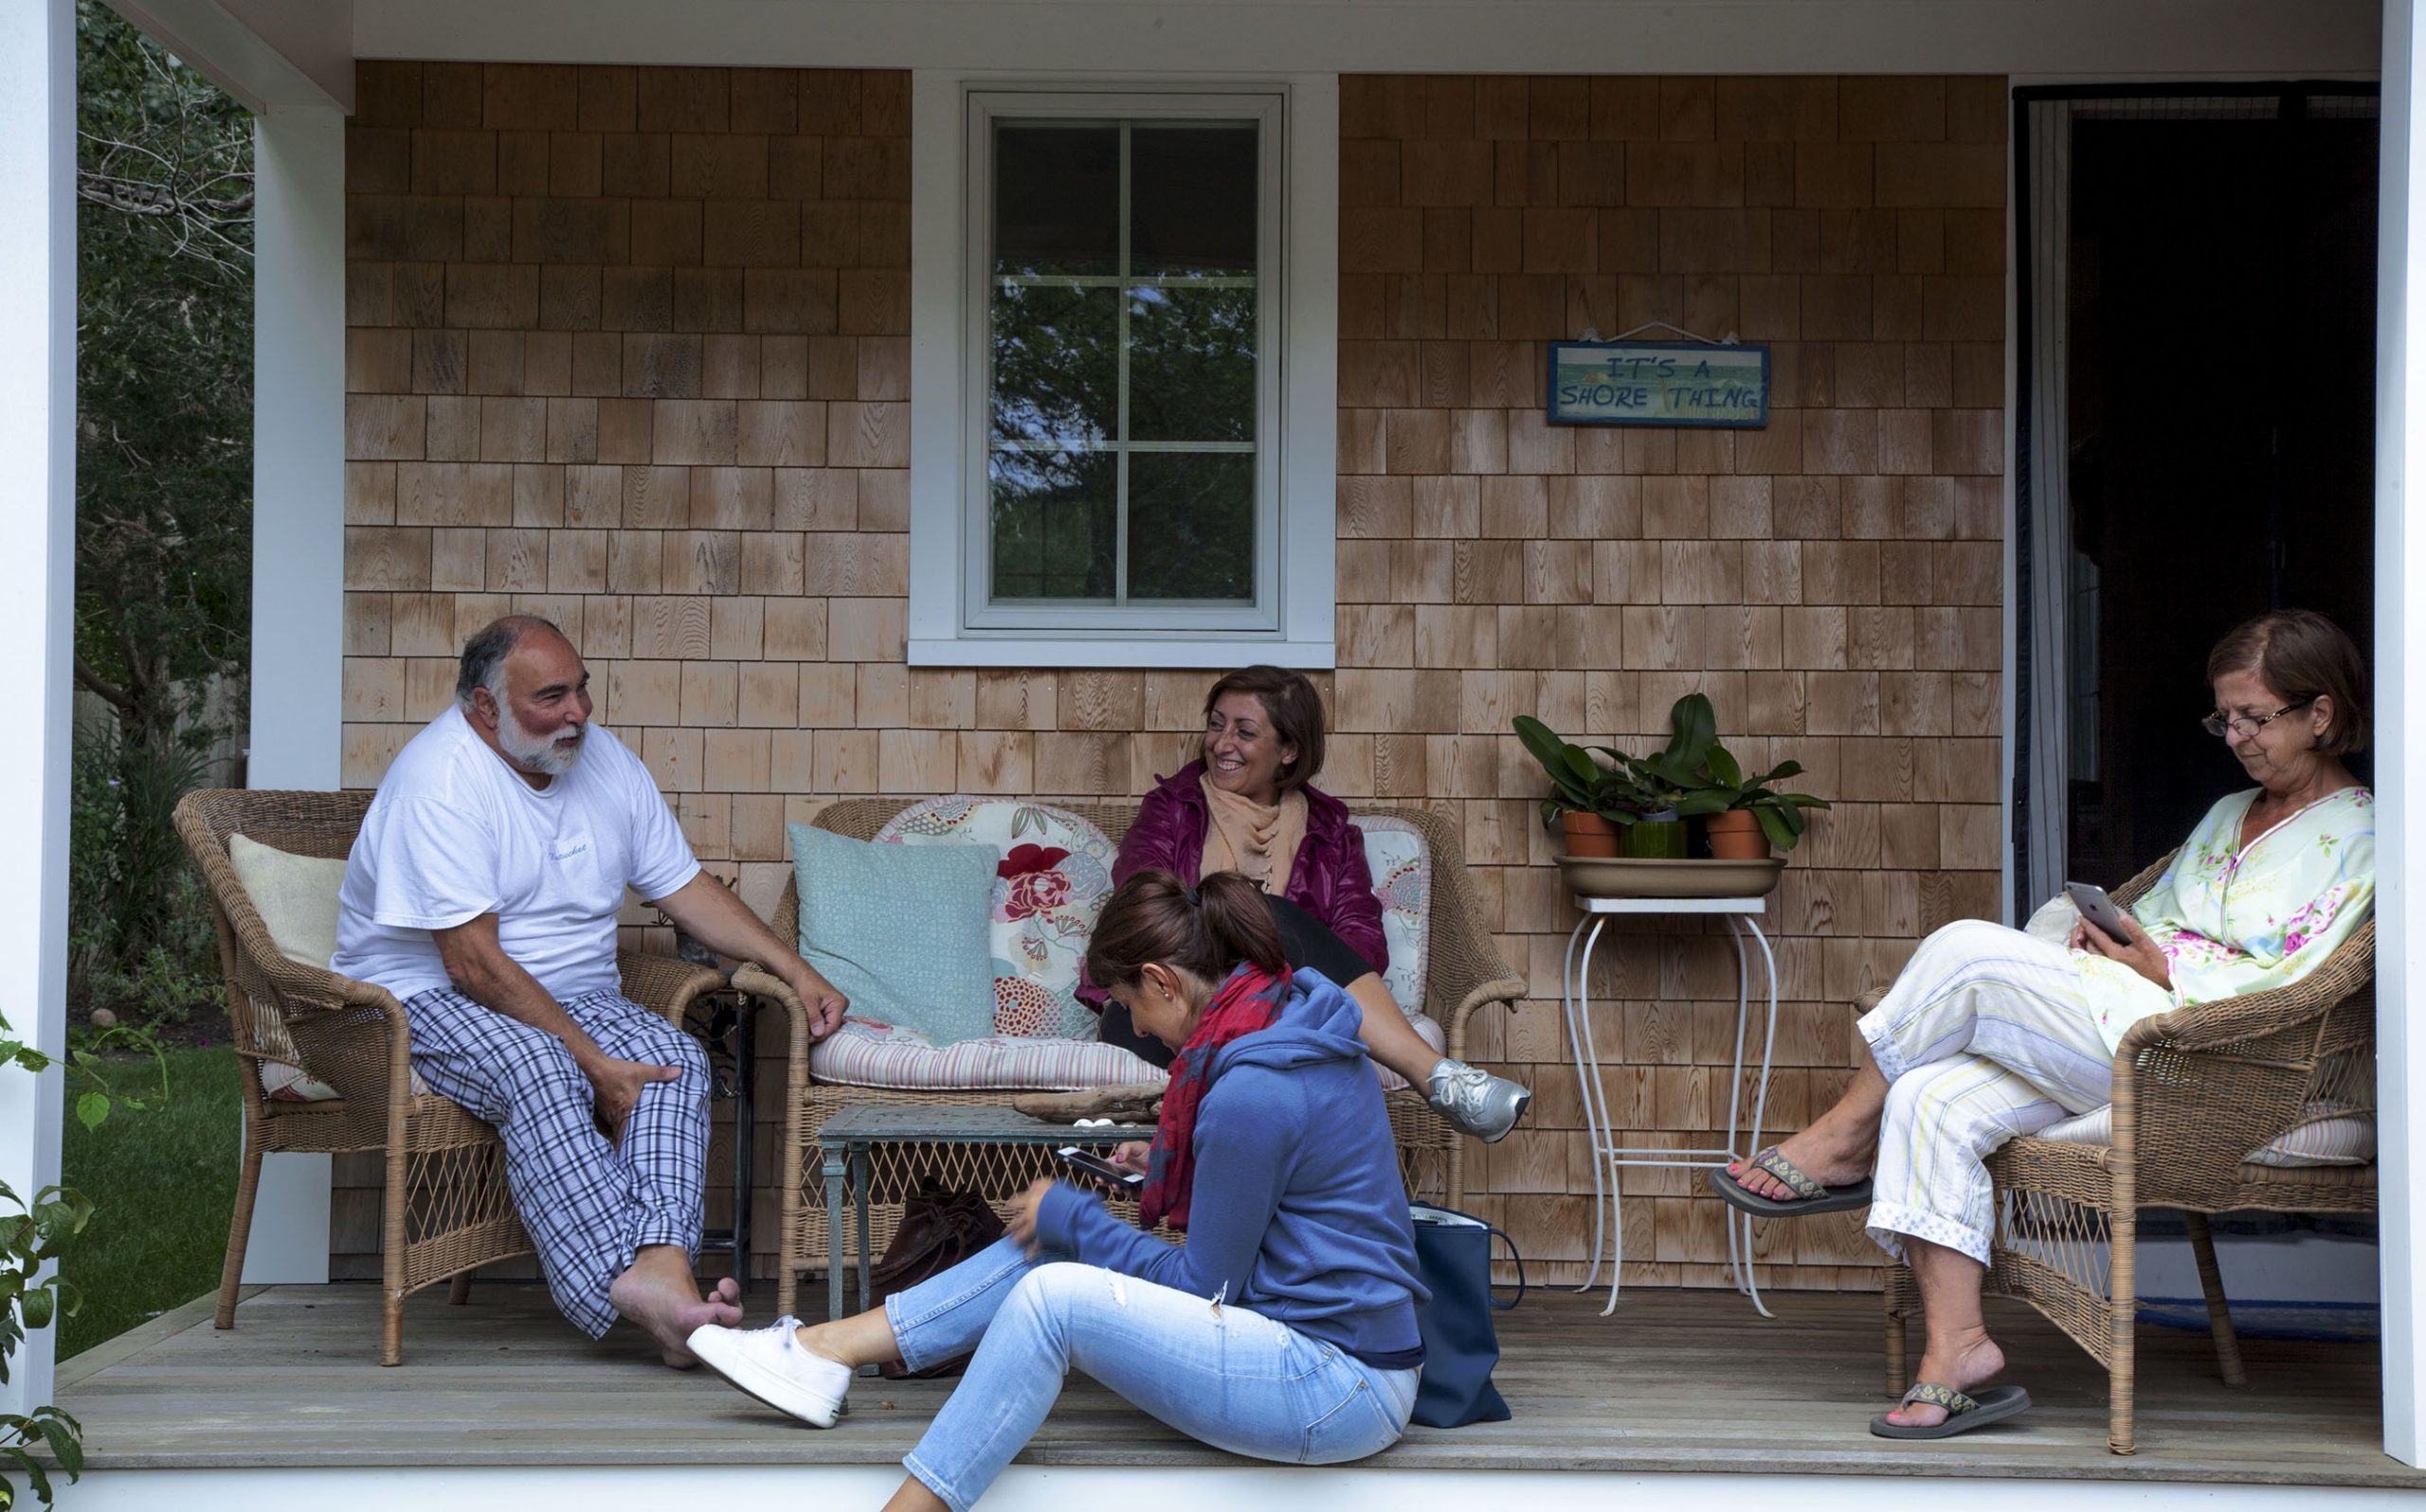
1658,383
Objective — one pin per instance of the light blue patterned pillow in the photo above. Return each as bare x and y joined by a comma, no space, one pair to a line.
903,931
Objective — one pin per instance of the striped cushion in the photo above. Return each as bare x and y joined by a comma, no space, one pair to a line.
2328,1134
865,1053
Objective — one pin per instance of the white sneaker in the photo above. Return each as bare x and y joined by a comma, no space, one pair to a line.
769,1365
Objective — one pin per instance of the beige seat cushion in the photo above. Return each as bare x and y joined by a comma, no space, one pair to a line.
297,897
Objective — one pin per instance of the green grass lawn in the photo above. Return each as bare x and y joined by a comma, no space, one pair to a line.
164,1182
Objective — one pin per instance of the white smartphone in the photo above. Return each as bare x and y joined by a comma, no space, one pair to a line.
2098,910
1095,1165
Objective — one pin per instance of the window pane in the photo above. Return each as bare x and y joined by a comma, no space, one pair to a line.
1191,525
1055,365
1191,364
1192,200
1055,515
1056,198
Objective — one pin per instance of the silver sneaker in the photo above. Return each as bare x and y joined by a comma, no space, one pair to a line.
1482,1105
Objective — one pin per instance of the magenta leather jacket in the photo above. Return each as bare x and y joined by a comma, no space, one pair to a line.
1330,879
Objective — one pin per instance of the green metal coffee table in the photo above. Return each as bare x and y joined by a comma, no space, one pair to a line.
993,1151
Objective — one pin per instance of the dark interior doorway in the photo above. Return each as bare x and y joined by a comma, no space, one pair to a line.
2221,393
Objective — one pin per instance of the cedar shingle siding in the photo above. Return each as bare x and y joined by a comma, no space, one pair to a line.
628,348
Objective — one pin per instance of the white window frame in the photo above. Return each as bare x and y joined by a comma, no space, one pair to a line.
952,621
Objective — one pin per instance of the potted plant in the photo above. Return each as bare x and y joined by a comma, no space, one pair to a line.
1754,818
1670,786
1590,801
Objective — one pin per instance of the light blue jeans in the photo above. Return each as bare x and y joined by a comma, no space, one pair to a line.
1234,1378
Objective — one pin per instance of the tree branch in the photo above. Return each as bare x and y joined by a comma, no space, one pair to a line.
93,682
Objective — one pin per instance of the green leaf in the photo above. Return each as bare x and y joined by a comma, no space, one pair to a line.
66,1447
1694,726
1538,740
1773,825
1724,766
37,1306
91,1109
1708,801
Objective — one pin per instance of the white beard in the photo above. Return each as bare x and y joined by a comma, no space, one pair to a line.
549,757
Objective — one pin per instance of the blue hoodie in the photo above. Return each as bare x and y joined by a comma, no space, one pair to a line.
1298,1212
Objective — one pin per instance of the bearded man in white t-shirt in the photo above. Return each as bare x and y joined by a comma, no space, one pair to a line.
483,892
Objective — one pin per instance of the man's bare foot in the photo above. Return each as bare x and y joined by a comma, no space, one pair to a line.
1965,1363
1828,1158
659,1295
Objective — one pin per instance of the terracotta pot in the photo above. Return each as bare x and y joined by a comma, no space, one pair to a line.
1657,839
1735,836
1588,835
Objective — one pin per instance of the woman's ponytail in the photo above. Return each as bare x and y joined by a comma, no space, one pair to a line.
1206,930
1238,924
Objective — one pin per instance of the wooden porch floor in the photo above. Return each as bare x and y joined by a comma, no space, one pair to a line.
1676,1381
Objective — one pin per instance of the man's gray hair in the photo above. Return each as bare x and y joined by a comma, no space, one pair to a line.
485,655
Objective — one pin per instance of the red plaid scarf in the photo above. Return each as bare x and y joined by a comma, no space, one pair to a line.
1248,1001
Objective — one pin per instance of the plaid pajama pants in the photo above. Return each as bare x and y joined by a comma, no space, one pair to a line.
588,1204
1984,1036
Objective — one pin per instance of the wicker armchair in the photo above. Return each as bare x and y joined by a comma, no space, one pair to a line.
1464,974
2196,1090
446,1211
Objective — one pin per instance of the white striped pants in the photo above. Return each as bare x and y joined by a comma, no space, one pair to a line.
1986,1036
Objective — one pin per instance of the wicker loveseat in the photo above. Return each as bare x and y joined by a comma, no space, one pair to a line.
1465,973
445,1210
2196,1092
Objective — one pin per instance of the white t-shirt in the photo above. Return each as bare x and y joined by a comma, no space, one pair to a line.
455,833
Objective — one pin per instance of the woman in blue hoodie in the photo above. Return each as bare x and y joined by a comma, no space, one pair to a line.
1284,1328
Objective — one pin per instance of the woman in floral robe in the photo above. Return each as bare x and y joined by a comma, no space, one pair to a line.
1991,1033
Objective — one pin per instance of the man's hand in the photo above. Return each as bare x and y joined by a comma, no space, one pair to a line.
615,1087
706,909
2139,952
823,1001
1020,1225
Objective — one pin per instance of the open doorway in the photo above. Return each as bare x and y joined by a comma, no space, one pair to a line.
2201,427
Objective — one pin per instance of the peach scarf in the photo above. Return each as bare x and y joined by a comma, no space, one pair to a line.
1258,842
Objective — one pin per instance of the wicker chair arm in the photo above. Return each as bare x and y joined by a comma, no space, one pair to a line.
1465,971
2229,1021
758,981
665,985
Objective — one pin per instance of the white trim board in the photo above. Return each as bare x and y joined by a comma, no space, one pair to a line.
2145,37
2401,757
299,552
283,52
1196,1488
37,537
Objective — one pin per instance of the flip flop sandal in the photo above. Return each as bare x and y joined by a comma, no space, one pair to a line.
1810,1196
1963,1413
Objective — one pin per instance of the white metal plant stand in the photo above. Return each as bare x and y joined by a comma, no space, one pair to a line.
1743,918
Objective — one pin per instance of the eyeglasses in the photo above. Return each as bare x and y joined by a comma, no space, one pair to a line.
2219,723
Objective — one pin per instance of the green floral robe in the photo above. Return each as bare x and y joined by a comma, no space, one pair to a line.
2234,920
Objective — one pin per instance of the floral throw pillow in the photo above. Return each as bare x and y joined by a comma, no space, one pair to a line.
1402,866
1053,872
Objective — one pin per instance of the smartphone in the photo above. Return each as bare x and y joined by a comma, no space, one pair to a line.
1095,1165
2098,910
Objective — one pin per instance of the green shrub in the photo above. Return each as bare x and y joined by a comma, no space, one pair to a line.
140,941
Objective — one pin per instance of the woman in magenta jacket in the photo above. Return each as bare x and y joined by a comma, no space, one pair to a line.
1248,804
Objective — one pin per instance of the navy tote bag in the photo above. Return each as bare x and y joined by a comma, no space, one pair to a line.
1460,1347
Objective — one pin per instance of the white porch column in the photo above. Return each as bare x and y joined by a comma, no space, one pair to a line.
38,542
2400,755
298,549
